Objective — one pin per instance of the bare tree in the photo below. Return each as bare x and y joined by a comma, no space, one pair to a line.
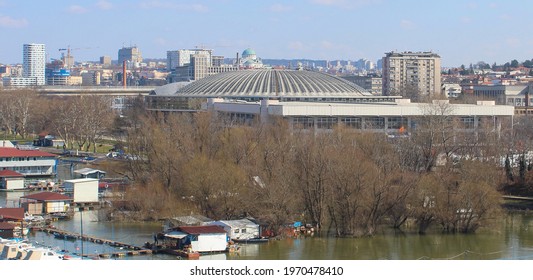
16,110
434,134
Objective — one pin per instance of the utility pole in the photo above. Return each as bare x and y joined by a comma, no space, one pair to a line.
81,233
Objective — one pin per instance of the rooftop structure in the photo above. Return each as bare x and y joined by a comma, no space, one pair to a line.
131,54
411,73
388,117
28,162
271,83
249,60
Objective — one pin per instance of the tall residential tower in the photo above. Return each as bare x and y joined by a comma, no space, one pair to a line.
34,62
411,74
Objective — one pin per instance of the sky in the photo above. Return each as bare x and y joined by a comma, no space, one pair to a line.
460,31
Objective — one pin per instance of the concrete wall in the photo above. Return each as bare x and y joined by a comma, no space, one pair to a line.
211,242
82,190
14,183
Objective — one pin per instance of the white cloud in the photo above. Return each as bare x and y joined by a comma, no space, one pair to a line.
472,5
161,41
296,46
279,8
505,17
407,24
104,5
466,20
327,45
156,4
345,3
77,9
513,42
7,21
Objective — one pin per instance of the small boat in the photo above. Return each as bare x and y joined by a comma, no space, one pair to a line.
251,240
20,232
31,218
64,236
41,254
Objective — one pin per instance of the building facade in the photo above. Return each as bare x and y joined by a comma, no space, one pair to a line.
105,61
371,83
34,62
28,162
392,118
182,57
411,74
131,54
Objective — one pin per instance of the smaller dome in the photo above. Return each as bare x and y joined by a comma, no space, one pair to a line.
248,52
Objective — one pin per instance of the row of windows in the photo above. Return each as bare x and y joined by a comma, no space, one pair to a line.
32,169
467,122
18,159
350,122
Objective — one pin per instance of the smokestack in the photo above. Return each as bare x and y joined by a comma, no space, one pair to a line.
124,73
237,61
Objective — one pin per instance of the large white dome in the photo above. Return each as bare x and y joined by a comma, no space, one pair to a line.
272,83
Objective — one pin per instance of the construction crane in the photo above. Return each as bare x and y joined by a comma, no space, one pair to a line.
70,61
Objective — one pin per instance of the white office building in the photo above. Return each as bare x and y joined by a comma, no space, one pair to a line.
34,62
182,57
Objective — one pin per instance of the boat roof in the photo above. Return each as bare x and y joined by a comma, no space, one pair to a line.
87,171
14,152
9,173
238,223
12,213
201,229
9,226
47,196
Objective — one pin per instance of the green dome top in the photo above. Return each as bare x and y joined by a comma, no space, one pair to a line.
248,52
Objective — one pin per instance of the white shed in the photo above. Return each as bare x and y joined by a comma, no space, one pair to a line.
240,230
11,180
82,190
201,238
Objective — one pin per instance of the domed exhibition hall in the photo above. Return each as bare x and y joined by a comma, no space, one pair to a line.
312,100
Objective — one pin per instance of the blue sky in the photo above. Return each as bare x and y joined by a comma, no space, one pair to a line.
460,31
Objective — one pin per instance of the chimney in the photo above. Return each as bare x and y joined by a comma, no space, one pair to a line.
124,73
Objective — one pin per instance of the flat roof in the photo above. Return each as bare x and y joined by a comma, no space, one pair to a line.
81,180
400,108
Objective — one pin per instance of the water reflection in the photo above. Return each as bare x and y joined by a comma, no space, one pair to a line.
510,238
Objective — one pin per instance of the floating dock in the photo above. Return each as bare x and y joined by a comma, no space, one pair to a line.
131,250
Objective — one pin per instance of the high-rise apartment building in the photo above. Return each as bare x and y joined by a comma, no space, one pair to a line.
105,61
131,54
411,74
199,66
34,62
181,58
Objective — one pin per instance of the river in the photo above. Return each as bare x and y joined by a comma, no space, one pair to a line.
511,238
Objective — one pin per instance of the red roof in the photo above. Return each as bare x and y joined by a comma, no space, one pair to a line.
12,213
47,196
202,229
14,152
9,173
5,226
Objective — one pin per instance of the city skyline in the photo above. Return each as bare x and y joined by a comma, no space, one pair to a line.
460,32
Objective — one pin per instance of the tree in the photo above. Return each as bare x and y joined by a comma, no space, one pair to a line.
434,133
98,118
216,187
16,111
311,164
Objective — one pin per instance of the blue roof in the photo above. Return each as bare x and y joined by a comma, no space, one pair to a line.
248,51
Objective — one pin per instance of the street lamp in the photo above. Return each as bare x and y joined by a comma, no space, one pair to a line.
81,231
